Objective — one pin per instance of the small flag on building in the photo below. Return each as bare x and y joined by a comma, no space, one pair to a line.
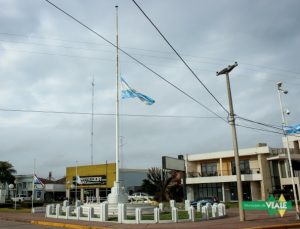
36,180
78,180
295,129
128,92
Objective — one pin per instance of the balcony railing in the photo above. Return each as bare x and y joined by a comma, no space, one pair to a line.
223,173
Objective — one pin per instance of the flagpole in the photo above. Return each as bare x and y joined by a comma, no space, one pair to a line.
117,98
76,185
32,195
92,123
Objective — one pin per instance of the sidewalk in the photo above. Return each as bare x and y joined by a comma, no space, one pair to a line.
257,219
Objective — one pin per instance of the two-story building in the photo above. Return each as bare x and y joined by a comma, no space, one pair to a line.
263,169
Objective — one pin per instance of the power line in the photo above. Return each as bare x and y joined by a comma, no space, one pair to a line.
254,128
105,114
127,115
184,62
259,123
135,59
195,58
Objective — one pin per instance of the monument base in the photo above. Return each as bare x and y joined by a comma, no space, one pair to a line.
117,195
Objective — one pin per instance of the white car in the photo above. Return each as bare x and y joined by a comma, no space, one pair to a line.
21,198
140,196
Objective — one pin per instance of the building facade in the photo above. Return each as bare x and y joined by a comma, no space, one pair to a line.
94,182
263,170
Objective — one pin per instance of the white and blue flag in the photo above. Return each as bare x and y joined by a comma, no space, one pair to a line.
36,180
295,129
128,92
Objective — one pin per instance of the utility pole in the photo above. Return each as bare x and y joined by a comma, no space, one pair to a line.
231,121
284,123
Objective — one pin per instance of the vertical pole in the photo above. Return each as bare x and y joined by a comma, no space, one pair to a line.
284,123
235,150
76,184
117,98
106,178
32,195
92,124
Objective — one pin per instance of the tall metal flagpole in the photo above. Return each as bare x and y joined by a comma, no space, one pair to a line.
117,99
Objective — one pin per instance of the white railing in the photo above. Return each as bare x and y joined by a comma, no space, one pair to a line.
100,213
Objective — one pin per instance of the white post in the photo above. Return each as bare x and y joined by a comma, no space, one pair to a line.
138,215
161,206
156,215
103,212
172,203
58,210
175,215
191,212
67,212
204,212
187,204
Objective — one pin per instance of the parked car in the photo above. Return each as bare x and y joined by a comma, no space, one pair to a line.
20,198
205,200
140,197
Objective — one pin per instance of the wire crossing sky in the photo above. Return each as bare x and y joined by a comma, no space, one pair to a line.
47,62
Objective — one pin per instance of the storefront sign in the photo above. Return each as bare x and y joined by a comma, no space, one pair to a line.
273,205
92,180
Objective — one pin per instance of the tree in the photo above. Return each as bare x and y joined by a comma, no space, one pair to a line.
158,180
6,172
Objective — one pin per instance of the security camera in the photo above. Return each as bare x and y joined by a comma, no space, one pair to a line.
285,92
287,112
279,84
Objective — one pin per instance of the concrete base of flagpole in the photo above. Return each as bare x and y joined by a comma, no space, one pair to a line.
117,195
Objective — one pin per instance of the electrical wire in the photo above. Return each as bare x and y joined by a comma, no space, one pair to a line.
179,56
105,114
259,123
135,59
254,128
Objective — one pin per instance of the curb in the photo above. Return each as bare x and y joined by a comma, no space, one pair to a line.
278,226
65,225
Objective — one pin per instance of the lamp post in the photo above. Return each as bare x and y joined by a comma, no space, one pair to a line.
231,120
12,187
284,123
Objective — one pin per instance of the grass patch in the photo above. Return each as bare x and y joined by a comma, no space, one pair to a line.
18,210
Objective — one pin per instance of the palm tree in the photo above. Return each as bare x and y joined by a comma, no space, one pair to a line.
6,172
161,179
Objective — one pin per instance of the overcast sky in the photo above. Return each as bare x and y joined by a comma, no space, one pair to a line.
48,61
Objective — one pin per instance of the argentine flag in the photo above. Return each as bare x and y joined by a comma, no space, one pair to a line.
295,129
128,92
36,180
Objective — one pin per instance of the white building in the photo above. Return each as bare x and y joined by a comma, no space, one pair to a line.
263,169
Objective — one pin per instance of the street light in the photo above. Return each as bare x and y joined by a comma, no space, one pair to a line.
284,123
231,120
12,187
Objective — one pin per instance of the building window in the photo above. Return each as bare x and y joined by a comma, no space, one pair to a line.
244,167
208,190
209,169
283,169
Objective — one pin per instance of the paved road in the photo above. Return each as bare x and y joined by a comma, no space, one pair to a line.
4,224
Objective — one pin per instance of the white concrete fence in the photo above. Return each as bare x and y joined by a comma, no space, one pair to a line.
100,213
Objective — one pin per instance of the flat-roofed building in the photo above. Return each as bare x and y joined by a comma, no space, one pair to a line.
263,169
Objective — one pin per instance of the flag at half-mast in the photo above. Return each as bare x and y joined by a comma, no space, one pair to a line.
128,92
36,180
